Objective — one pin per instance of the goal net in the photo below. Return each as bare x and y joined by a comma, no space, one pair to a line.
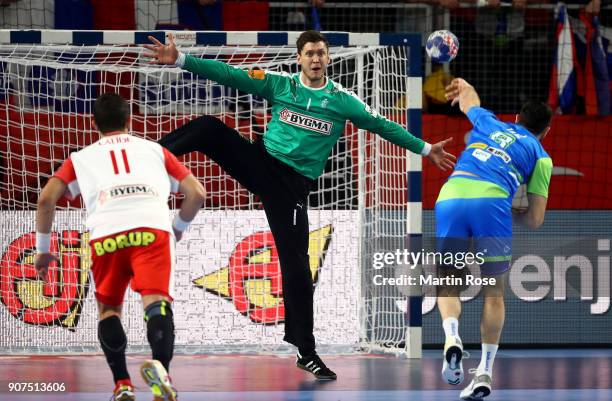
227,279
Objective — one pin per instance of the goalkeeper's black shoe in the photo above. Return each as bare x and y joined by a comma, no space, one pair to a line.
315,365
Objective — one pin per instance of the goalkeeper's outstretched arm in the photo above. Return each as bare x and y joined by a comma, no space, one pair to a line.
366,118
256,82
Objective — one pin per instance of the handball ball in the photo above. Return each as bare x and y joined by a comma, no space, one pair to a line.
442,46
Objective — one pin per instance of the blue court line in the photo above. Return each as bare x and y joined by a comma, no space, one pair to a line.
430,395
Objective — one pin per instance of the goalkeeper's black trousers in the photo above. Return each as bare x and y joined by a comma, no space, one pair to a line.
283,193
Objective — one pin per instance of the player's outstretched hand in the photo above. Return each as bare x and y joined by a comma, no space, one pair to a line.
160,53
440,157
42,262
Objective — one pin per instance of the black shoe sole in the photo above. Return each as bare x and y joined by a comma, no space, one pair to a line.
453,352
480,392
456,352
318,377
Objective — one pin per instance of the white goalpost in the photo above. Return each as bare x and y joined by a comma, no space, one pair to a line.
227,280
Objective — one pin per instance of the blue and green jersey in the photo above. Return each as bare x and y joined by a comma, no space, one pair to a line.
504,154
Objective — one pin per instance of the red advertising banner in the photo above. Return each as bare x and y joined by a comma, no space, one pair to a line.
37,143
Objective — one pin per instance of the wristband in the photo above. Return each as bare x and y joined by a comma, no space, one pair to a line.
179,224
180,60
43,242
426,149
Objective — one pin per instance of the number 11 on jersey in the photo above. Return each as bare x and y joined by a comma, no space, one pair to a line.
125,161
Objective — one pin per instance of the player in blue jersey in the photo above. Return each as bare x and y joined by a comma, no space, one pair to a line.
474,208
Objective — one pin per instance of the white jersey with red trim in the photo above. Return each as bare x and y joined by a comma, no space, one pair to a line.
125,182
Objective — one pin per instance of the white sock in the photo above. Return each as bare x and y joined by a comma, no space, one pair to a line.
451,327
486,359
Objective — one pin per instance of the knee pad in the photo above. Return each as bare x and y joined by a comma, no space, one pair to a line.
159,308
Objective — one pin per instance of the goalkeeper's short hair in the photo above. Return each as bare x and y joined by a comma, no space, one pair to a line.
310,37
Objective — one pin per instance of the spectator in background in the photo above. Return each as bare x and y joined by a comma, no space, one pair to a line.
201,15
434,99
500,33
593,7
500,20
420,20
590,6
493,54
300,19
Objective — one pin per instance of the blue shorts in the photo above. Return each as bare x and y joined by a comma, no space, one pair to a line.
487,222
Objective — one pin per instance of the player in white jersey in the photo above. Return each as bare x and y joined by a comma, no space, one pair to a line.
125,182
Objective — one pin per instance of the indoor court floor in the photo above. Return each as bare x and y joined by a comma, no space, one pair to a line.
532,375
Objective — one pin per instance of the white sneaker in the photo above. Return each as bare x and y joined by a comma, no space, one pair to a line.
156,377
452,367
479,388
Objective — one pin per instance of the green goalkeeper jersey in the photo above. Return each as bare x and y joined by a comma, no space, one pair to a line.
306,122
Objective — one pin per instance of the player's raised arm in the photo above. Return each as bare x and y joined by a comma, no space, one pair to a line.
256,82
363,116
